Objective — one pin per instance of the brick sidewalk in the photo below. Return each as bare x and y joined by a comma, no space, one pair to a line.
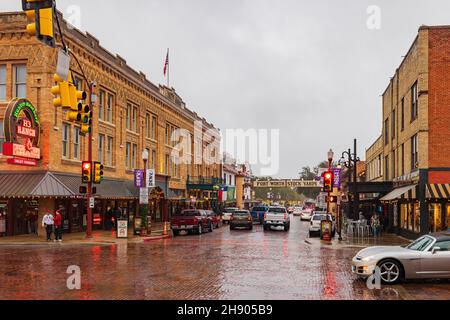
361,242
98,237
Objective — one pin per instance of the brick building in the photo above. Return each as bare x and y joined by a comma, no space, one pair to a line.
416,137
131,114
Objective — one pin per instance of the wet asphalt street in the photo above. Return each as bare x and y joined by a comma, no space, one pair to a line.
220,265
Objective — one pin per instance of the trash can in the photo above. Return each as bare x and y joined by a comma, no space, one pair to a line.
122,228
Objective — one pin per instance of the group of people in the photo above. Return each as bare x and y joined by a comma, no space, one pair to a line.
375,223
53,224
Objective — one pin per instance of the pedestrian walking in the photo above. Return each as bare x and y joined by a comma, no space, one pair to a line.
57,221
47,223
108,218
375,223
117,214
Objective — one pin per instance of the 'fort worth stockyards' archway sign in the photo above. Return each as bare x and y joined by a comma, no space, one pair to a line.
22,133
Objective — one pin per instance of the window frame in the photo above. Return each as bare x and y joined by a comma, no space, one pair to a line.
109,111
109,151
128,155
16,84
414,152
101,105
65,150
101,148
76,143
414,101
4,85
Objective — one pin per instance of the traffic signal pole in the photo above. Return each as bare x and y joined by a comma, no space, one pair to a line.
89,187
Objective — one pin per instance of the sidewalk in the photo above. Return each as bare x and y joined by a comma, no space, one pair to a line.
355,242
98,238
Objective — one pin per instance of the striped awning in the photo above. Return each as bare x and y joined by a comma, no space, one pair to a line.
403,193
438,191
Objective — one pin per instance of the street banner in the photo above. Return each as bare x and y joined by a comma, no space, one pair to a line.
63,65
337,178
150,177
143,196
138,178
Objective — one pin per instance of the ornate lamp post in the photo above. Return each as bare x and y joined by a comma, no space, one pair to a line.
144,208
330,161
351,164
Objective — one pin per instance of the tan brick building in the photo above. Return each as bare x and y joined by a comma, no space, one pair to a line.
374,161
416,136
131,114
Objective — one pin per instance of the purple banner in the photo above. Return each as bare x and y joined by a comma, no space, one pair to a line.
138,178
337,178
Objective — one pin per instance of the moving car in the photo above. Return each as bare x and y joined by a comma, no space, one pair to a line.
316,222
277,217
227,213
215,218
297,211
241,219
306,214
426,258
192,221
258,213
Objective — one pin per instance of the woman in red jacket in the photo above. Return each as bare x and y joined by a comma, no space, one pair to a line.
58,226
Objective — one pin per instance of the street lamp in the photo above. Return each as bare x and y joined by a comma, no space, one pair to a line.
144,210
330,158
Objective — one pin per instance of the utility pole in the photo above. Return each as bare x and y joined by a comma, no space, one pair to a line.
89,188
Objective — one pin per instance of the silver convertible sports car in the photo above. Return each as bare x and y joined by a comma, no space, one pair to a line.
427,257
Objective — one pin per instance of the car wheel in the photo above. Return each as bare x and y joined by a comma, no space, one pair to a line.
391,271
200,229
250,228
211,227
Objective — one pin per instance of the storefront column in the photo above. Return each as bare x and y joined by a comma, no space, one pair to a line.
424,213
44,205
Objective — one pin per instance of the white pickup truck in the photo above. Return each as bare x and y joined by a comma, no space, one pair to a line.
277,217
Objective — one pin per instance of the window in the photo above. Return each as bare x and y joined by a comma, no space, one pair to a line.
386,131
20,81
393,125
386,167
109,108
167,164
147,126
127,155
128,117
414,153
2,135
403,159
76,143
65,140
153,128
101,147
167,133
2,83
109,151
153,159
101,105
414,102
134,123
403,115
133,156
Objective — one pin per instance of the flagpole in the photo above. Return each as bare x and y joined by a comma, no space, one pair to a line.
168,68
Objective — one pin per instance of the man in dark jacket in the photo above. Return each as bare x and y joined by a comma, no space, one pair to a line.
58,226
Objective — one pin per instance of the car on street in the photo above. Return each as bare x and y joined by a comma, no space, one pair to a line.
297,211
192,221
277,217
426,258
306,214
258,213
215,218
241,219
227,213
290,210
316,222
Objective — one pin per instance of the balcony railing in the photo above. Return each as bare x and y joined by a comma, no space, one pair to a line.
204,181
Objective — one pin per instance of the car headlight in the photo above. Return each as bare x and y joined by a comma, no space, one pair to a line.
367,259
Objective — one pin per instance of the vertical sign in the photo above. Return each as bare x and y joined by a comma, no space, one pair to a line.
151,183
138,178
337,178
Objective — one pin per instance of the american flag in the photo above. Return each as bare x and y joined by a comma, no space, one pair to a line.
166,64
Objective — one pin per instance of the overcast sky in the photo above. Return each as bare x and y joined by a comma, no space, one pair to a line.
312,69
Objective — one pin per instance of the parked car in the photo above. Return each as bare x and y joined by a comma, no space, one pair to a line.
306,215
297,211
316,222
277,217
215,218
258,213
192,221
227,213
290,210
426,258
241,219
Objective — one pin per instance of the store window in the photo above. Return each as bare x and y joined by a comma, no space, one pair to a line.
447,219
20,81
435,217
65,140
2,83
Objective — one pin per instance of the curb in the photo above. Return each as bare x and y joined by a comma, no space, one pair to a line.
156,238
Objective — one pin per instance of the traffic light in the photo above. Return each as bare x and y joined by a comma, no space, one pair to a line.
332,199
76,98
40,20
328,181
86,119
98,172
61,92
86,171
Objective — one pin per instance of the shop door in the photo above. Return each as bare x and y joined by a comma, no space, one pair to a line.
76,217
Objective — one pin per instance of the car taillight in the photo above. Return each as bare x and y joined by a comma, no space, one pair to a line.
265,215
285,216
249,218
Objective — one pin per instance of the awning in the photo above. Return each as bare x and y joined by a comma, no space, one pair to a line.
32,184
407,192
438,191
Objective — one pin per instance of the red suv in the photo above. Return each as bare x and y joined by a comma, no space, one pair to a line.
192,221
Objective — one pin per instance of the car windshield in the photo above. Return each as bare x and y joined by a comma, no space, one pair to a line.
277,210
188,213
320,217
259,209
420,244
241,213
230,210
